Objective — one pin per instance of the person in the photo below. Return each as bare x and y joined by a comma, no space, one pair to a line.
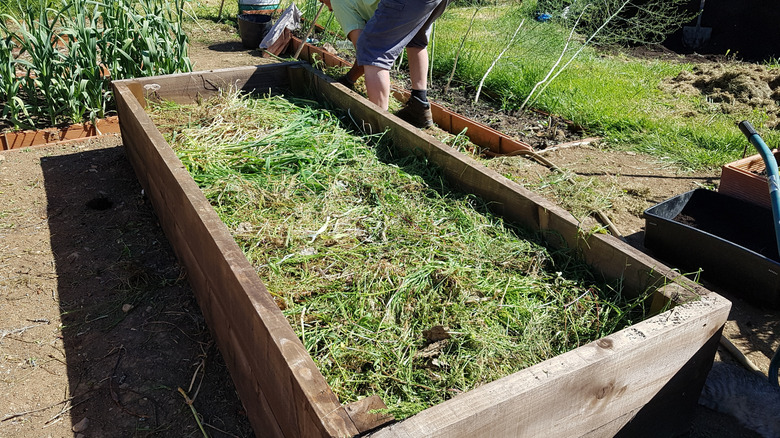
395,25
352,16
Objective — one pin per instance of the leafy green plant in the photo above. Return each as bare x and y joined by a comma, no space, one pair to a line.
57,64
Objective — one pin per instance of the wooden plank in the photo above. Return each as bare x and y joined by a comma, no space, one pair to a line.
574,393
188,87
364,413
260,413
298,395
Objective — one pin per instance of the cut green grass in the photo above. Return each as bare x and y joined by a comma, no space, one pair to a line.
395,284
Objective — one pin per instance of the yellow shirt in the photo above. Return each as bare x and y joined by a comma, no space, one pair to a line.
353,14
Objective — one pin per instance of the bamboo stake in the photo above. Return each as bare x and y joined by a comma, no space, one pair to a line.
311,28
495,61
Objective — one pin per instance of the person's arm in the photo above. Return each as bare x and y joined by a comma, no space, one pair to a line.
327,3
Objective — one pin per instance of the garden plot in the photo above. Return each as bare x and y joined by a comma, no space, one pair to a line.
622,382
396,285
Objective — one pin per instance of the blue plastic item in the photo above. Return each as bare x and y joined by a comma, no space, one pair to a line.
543,17
774,195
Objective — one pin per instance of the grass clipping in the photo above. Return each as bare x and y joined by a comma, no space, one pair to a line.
396,285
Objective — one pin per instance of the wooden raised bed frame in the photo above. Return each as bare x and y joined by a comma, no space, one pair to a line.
644,380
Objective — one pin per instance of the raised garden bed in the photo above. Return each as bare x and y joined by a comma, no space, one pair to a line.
619,385
746,179
42,137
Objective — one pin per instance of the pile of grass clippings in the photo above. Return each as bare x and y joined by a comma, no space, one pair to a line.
396,285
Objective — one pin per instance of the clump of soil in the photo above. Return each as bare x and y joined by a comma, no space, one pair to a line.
734,87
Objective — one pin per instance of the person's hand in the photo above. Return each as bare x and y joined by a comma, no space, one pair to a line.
327,3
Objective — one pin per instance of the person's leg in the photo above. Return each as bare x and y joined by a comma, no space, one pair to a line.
378,85
357,70
418,67
394,24
354,35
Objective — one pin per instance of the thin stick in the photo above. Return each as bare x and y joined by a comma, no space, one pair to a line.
552,69
460,49
4,333
547,83
571,144
311,28
32,411
63,411
433,49
741,358
495,61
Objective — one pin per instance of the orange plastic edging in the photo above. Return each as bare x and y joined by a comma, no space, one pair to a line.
479,134
740,179
25,139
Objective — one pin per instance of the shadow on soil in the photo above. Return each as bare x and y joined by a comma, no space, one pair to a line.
133,332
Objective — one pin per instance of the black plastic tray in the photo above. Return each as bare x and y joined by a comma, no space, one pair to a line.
732,242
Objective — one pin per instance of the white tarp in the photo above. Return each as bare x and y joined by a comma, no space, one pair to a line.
290,19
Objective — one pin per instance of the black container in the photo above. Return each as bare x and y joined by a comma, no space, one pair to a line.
732,241
252,28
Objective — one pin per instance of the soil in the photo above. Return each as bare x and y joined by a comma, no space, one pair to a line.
99,328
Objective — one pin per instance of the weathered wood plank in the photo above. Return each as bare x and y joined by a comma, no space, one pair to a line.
297,393
573,394
366,413
189,87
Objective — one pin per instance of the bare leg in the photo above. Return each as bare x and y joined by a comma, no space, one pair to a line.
356,71
418,67
378,85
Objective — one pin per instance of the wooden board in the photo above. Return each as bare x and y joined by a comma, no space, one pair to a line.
189,87
641,381
577,393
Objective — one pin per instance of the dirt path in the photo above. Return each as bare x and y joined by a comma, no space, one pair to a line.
99,327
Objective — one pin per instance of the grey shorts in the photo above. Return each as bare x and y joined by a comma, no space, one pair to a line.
397,24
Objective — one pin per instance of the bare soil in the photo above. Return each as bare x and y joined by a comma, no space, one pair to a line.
99,329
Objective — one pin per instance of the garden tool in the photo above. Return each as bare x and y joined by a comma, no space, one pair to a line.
311,28
774,195
696,36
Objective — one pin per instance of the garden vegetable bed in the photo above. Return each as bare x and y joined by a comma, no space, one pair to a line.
624,382
397,285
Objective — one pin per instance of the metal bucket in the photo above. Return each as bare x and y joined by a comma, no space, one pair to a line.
252,28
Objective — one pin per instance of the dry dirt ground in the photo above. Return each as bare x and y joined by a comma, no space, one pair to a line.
99,329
